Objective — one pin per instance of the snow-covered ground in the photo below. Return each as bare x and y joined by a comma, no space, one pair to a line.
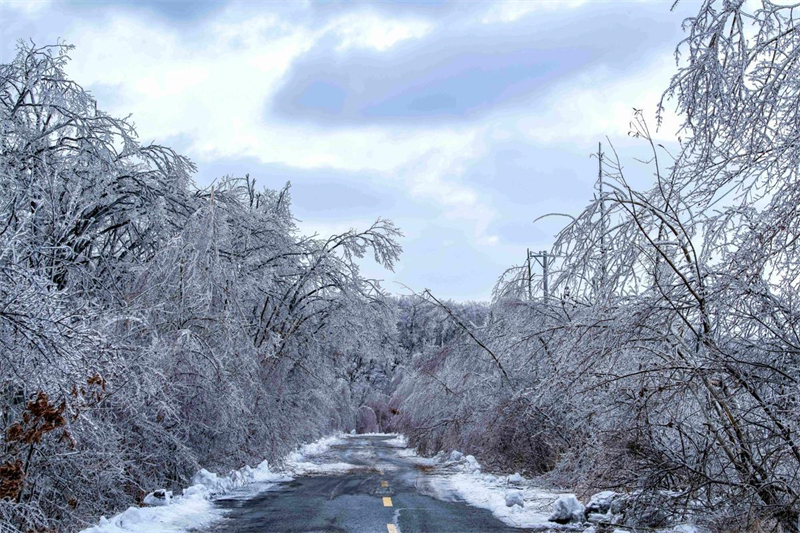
194,508
517,501
512,499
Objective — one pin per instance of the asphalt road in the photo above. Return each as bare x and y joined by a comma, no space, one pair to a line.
384,493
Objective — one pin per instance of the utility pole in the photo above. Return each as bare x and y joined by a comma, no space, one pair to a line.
530,274
544,275
542,259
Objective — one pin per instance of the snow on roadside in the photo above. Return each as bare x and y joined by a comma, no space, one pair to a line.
509,498
514,499
194,508
168,513
183,513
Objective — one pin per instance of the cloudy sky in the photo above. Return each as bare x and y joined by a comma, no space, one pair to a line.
460,121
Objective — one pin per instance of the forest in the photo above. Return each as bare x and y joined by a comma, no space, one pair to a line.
149,326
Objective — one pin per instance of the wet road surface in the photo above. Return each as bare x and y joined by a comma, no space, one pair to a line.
364,485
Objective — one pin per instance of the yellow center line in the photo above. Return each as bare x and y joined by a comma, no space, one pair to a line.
387,501
384,483
390,528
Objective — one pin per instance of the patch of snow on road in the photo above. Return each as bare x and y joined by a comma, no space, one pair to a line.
308,459
316,448
305,468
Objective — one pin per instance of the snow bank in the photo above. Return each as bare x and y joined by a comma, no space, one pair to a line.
208,484
167,513
512,499
529,507
517,501
182,514
194,509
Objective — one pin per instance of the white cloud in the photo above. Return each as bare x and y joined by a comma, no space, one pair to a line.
599,103
212,86
513,10
215,92
209,89
367,30
25,7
